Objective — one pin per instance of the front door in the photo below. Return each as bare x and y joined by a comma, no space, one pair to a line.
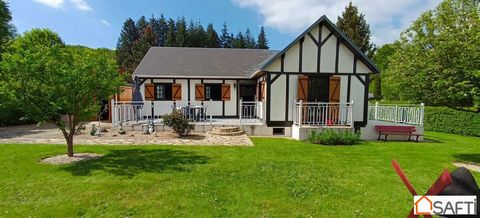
318,88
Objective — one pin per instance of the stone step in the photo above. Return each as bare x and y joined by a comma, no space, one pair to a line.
240,132
226,129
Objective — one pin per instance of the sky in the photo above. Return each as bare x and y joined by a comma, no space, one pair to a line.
97,23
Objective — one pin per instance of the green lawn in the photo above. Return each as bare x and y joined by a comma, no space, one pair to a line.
277,177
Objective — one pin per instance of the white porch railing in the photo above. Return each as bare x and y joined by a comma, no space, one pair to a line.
402,114
251,110
323,114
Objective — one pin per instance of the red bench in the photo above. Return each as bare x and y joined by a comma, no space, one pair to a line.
396,130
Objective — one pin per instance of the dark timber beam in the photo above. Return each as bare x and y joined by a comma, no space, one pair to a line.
313,38
275,78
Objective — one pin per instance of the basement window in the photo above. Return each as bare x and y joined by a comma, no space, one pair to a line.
278,131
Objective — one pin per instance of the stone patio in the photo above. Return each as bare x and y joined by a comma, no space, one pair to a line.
49,134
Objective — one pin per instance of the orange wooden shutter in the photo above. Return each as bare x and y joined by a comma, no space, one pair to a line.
149,90
262,89
226,92
199,92
177,92
302,88
334,92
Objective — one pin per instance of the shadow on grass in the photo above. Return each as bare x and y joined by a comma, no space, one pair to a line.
130,162
473,158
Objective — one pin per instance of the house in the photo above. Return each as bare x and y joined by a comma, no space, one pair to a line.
320,80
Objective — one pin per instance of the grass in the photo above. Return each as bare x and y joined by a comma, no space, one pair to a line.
277,177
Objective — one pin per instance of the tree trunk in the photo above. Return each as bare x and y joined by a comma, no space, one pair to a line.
70,146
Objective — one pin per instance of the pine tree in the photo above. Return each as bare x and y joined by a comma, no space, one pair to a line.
225,38
155,24
249,40
162,32
262,39
170,36
7,30
239,41
181,33
142,23
212,40
354,25
124,52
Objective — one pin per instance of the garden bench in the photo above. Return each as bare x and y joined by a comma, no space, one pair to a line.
396,130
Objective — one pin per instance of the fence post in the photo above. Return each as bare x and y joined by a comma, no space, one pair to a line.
211,103
325,118
422,111
300,110
294,111
376,110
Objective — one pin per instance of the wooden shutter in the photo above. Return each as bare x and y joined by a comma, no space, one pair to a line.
199,92
302,88
177,92
226,92
149,90
262,90
334,92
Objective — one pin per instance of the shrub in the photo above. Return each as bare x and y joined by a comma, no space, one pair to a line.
331,137
444,119
178,123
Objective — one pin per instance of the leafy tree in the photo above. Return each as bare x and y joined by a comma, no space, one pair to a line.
129,36
262,39
212,37
58,84
436,60
382,60
170,37
239,41
249,40
225,38
7,30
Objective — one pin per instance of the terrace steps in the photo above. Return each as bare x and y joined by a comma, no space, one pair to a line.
227,131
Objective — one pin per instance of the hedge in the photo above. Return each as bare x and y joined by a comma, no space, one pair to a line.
444,119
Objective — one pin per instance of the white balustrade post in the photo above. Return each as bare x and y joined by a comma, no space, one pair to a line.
113,108
422,111
300,110
395,115
376,110
240,111
211,106
351,114
294,111
325,117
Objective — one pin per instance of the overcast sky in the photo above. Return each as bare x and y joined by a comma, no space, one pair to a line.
97,23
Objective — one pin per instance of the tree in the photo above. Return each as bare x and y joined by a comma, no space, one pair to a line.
239,41
56,83
436,59
249,40
382,60
170,37
262,39
354,25
181,33
225,38
129,36
7,30
212,37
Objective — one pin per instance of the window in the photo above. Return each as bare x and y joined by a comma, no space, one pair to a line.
163,91
213,92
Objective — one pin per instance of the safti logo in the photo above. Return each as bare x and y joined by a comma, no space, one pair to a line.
445,204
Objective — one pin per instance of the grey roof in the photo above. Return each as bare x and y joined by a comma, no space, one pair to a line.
202,62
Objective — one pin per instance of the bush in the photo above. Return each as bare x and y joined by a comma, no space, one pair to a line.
178,123
448,120
331,137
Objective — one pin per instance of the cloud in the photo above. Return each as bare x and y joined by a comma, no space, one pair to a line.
386,18
51,3
106,23
81,5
